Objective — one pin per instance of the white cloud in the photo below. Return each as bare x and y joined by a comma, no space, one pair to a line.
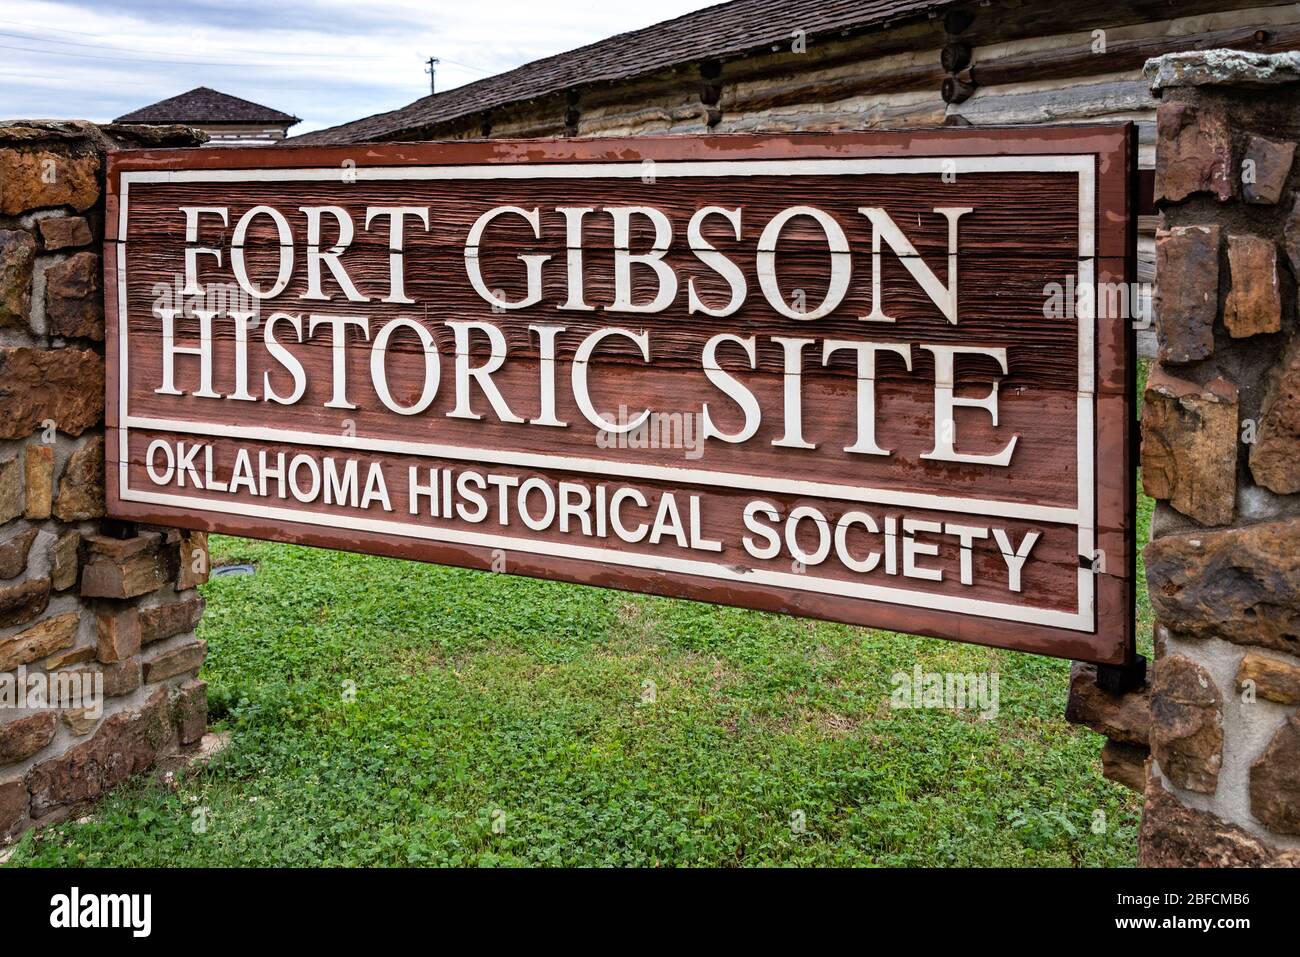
327,61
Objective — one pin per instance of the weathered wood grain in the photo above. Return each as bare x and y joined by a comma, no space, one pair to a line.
1021,237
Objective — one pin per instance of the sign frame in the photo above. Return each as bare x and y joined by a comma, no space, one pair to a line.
1105,155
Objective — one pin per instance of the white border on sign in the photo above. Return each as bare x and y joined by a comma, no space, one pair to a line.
1083,618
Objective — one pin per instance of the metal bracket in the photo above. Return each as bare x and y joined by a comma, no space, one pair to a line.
117,528
1118,679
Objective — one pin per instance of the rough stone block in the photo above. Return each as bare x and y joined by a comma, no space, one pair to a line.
65,386
1187,724
23,601
43,638
1243,68
1125,718
81,486
118,632
125,568
13,553
190,711
74,298
39,473
1189,445
65,659
1172,835
24,736
80,721
1271,679
126,743
1124,764
121,549
175,661
193,551
1187,270
13,806
120,677
1238,584
17,256
1254,303
1193,152
1275,781
173,618
35,178
1268,163
65,232
65,561
11,487
1275,454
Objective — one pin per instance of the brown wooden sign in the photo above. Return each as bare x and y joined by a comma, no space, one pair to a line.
877,378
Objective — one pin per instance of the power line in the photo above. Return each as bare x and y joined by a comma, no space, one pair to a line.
473,69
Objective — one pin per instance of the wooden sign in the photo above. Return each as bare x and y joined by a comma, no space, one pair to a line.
863,377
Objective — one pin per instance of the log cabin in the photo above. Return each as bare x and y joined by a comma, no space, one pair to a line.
763,66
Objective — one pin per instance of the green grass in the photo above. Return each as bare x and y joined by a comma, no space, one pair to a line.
1146,617
478,693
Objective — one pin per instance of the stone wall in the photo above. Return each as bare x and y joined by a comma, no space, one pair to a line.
85,603
1214,738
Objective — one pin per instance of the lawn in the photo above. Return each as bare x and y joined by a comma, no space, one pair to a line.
390,713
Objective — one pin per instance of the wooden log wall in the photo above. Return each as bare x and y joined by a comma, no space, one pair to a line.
1013,63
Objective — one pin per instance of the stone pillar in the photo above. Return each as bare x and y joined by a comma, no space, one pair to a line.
1221,455
93,613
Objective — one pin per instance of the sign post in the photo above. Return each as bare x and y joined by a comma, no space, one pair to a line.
883,379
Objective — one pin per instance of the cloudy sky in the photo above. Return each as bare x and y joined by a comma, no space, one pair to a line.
327,61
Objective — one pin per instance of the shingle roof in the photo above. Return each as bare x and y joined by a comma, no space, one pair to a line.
718,32
203,105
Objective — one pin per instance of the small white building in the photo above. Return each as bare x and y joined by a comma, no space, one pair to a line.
228,120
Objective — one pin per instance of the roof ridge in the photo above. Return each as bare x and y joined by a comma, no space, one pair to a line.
205,104
721,30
